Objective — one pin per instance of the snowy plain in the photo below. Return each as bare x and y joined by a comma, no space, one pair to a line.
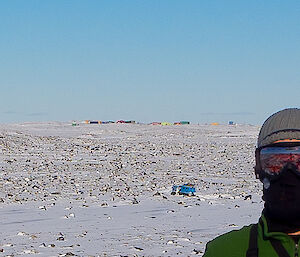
105,190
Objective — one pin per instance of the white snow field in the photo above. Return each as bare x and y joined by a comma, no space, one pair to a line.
105,190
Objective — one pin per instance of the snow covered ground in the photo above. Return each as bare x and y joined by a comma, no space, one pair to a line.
105,190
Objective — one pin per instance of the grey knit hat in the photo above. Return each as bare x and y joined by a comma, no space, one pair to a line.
281,125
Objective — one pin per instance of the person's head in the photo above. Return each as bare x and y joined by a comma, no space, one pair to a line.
278,165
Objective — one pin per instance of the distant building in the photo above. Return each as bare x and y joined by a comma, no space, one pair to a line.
181,123
95,122
184,122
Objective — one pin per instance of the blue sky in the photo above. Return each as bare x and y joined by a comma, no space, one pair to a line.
169,60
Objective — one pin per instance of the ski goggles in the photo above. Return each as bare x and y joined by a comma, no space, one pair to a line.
272,159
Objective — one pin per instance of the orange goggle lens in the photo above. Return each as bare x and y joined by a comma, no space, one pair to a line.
273,159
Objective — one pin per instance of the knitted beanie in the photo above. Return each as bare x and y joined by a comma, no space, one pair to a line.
281,125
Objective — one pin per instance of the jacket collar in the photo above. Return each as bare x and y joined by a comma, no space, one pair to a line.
266,233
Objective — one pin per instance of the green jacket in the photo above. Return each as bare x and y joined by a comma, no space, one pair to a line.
236,243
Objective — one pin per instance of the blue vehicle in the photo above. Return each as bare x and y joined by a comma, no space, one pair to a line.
186,189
